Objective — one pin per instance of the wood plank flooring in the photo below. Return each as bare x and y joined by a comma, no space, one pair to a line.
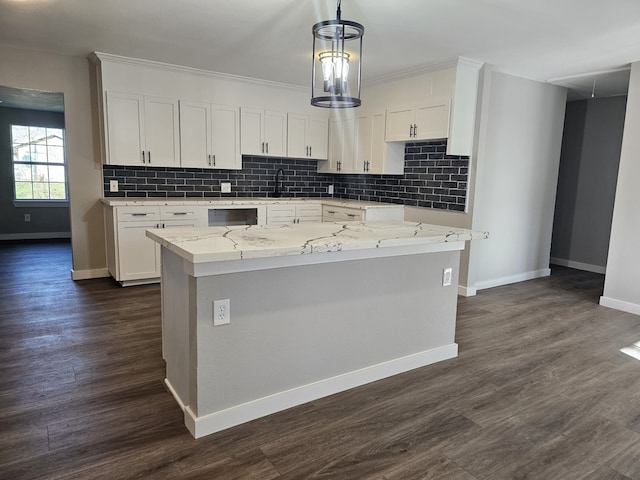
539,391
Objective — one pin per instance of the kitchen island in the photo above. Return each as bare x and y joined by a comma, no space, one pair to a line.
313,309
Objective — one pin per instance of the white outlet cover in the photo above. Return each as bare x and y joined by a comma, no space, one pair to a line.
113,185
225,187
330,190
447,274
221,312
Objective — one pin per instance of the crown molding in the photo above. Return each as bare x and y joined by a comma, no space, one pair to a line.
100,57
432,67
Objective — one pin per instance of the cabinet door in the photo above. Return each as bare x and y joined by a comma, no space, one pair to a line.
161,131
318,137
297,146
280,214
400,124
363,142
139,256
433,120
341,146
378,145
251,137
275,134
125,127
309,213
225,135
195,131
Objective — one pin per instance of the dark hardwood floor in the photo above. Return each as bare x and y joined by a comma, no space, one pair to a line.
539,391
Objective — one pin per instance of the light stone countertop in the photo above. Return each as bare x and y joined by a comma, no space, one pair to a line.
336,202
200,245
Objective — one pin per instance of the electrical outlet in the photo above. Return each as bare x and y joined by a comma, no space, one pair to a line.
330,189
447,273
27,217
221,312
113,185
225,187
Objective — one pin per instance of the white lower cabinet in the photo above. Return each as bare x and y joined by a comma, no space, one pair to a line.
132,258
292,213
342,214
331,213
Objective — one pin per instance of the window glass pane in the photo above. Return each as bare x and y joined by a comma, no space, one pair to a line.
20,134
40,190
22,173
39,153
39,169
56,173
23,191
55,154
40,173
58,191
37,134
55,137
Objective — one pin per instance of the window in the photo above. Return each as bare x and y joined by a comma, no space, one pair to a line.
39,169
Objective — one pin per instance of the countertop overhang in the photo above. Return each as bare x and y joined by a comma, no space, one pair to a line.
242,243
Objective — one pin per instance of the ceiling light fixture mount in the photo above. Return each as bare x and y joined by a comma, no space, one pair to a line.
334,61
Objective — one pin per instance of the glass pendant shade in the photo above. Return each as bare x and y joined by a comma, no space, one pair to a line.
337,50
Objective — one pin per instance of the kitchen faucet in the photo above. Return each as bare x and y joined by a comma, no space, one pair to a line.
277,192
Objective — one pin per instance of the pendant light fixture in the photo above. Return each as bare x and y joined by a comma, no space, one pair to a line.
337,53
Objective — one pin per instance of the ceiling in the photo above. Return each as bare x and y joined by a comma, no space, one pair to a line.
569,42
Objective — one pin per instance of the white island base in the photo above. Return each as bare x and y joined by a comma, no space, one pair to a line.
301,326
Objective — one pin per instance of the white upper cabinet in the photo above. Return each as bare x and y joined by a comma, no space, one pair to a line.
209,136
142,130
307,136
341,156
263,132
373,154
420,122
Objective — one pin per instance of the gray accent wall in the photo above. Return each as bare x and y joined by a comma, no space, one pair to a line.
45,221
587,182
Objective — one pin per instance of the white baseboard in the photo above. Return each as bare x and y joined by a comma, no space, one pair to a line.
221,420
620,305
88,274
34,236
467,291
587,267
520,277
173,392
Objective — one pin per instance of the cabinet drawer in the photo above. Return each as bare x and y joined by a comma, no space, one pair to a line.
137,214
179,212
341,214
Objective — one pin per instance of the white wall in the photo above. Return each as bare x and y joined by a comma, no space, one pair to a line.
519,142
71,76
622,281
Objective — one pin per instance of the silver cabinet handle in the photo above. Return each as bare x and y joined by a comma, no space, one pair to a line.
410,130
143,159
338,166
262,147
179,213
415,130
139,214
149,156
331,211
310,147
267,144
214,160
